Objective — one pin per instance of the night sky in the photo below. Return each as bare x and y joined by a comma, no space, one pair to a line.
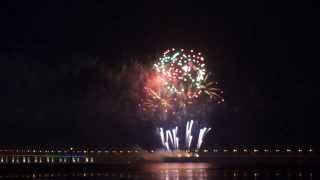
54,56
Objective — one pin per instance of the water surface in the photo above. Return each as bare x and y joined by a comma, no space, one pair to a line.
181,171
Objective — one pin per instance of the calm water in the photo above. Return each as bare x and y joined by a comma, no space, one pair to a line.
181,171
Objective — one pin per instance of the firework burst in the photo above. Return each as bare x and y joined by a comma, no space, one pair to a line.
178,82
178,88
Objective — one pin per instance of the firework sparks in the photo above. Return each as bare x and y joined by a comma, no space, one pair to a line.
203,132
178,81
175,138
188,134
170,139
178,89
183,70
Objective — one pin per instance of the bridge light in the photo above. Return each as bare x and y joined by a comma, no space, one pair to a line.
234,150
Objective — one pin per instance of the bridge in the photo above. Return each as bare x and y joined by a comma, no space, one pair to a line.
81,156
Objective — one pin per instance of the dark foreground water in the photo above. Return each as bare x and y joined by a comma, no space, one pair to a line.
180,171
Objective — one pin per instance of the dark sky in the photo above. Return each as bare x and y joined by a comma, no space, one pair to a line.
53,55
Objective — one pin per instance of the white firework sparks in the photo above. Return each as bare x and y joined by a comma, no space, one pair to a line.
203,132
170,139
189,134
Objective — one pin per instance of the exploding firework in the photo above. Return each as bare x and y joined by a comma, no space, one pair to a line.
183,70
178,88
184,74
178,82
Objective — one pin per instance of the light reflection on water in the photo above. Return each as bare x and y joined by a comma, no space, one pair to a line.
178,171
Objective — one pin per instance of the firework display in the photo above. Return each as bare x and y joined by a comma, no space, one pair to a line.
179,81
184,74
183,70
178,89
170,139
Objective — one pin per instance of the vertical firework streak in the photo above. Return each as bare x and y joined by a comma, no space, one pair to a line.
170,137
203,132
162,138
175,138
189,134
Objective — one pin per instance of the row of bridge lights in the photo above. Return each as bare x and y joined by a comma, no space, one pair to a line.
128,175
257,150
40,160
151,151
73,151
206,150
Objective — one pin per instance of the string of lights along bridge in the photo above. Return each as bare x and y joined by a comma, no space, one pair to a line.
21,156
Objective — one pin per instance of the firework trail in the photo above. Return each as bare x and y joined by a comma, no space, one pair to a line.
171,136
175,138
162,137
188,134
203,132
